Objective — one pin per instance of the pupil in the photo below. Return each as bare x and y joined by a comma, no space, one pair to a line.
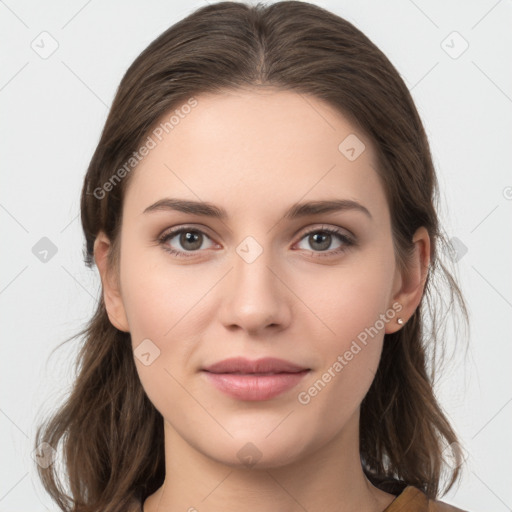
188,238
325,243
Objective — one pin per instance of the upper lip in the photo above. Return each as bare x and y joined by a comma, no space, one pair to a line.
264,365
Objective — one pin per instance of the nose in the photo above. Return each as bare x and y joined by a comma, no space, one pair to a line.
256,298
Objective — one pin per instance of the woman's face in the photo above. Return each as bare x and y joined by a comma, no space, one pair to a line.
265,281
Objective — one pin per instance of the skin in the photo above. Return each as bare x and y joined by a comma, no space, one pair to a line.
256,152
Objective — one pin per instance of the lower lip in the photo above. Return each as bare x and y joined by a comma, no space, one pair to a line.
253,386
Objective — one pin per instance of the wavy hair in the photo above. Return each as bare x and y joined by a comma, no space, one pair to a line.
110,434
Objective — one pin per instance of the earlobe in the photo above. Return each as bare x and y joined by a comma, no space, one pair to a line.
410,284
110,284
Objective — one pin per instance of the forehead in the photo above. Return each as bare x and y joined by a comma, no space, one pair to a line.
255,150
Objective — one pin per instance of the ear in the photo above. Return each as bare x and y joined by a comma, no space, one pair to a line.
409,285
110,283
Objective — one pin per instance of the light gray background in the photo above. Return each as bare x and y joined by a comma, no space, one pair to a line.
53,111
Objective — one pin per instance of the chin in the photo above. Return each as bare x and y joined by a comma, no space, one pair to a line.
257,451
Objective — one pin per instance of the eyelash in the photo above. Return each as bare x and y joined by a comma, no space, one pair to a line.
347,241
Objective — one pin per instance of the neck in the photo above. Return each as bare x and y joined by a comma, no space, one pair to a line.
329,478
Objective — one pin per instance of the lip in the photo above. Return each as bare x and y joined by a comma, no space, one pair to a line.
261,379
263,365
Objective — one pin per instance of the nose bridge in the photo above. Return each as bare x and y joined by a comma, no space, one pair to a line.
252,269
254,295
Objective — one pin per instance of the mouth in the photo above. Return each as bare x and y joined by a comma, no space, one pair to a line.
266,365
261,379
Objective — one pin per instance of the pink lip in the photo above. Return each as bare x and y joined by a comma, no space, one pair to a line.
254,380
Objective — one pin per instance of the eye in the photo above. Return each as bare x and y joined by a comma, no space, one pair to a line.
320,239
190,240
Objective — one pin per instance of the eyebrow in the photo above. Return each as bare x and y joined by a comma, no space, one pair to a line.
295,211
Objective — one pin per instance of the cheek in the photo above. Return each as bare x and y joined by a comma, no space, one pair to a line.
350,300
159,302
332,397
350,357
160,298
354,305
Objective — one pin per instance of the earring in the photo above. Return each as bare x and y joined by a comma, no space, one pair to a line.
400,321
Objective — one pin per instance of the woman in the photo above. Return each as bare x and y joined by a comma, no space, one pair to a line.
261,210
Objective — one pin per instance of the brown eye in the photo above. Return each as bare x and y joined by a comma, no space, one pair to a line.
190,240
183,240
320,240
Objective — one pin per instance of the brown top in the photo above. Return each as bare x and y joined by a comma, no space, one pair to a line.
411,499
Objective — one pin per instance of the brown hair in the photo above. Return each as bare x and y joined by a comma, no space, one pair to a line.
111,434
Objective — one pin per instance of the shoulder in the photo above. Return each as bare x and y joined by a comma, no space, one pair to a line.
412,499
